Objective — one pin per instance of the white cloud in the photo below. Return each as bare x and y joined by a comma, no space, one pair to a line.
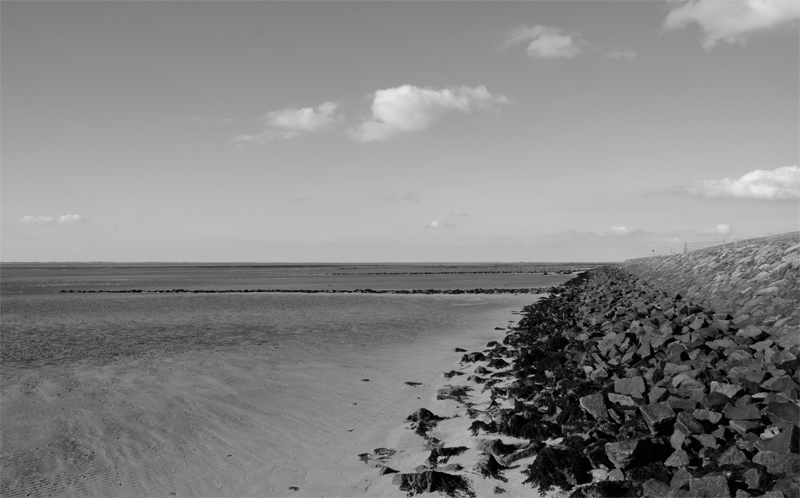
622,231
72,218
730,20
444,224
459,214
546,42
781,184
64,218
305,119
410,108
299,200
261,139
723,229
627,53
284,124
37,219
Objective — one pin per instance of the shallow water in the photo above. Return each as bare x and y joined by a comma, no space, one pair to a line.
213,394
49,278
42,326
41,330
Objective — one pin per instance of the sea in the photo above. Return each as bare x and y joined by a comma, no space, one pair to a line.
56,313
222,379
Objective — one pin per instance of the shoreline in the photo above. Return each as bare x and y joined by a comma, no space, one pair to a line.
229,422
413,445
410,449
613,388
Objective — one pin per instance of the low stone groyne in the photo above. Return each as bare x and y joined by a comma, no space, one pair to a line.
481,290
757,284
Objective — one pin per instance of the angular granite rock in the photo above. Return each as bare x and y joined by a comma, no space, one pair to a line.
711,486
657,416
633,386
778,463
595,405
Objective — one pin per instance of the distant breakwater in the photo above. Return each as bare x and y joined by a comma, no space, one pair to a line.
568,271
517,290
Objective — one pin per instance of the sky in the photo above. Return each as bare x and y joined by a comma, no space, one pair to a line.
389,131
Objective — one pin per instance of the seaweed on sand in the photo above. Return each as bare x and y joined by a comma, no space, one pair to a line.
609,489
453,392
478,425
430,481
489,467
423,420
558,466
441,455
533,430
422,428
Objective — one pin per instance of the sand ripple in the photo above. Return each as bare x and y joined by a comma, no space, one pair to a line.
247,400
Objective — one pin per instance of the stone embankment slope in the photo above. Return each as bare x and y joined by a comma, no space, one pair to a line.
618,388
757,284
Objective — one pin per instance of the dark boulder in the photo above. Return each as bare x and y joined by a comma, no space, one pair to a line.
423,415
452,392
489,467
473,357
562,467
431,481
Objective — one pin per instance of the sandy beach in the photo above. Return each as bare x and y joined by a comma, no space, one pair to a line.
269,420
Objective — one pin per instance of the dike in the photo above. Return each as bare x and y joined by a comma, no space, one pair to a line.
757,284
665,377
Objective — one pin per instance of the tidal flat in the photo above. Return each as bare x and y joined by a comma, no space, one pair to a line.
235,394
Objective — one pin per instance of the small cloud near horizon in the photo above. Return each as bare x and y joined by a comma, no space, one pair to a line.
410,108
622,231
729,21
444,224
396,196
626,53
781,184
459,214
613,231
285,124
546,42
723,229
64,218
298,200
402,196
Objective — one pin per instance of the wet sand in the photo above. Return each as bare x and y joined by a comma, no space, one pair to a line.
239,420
